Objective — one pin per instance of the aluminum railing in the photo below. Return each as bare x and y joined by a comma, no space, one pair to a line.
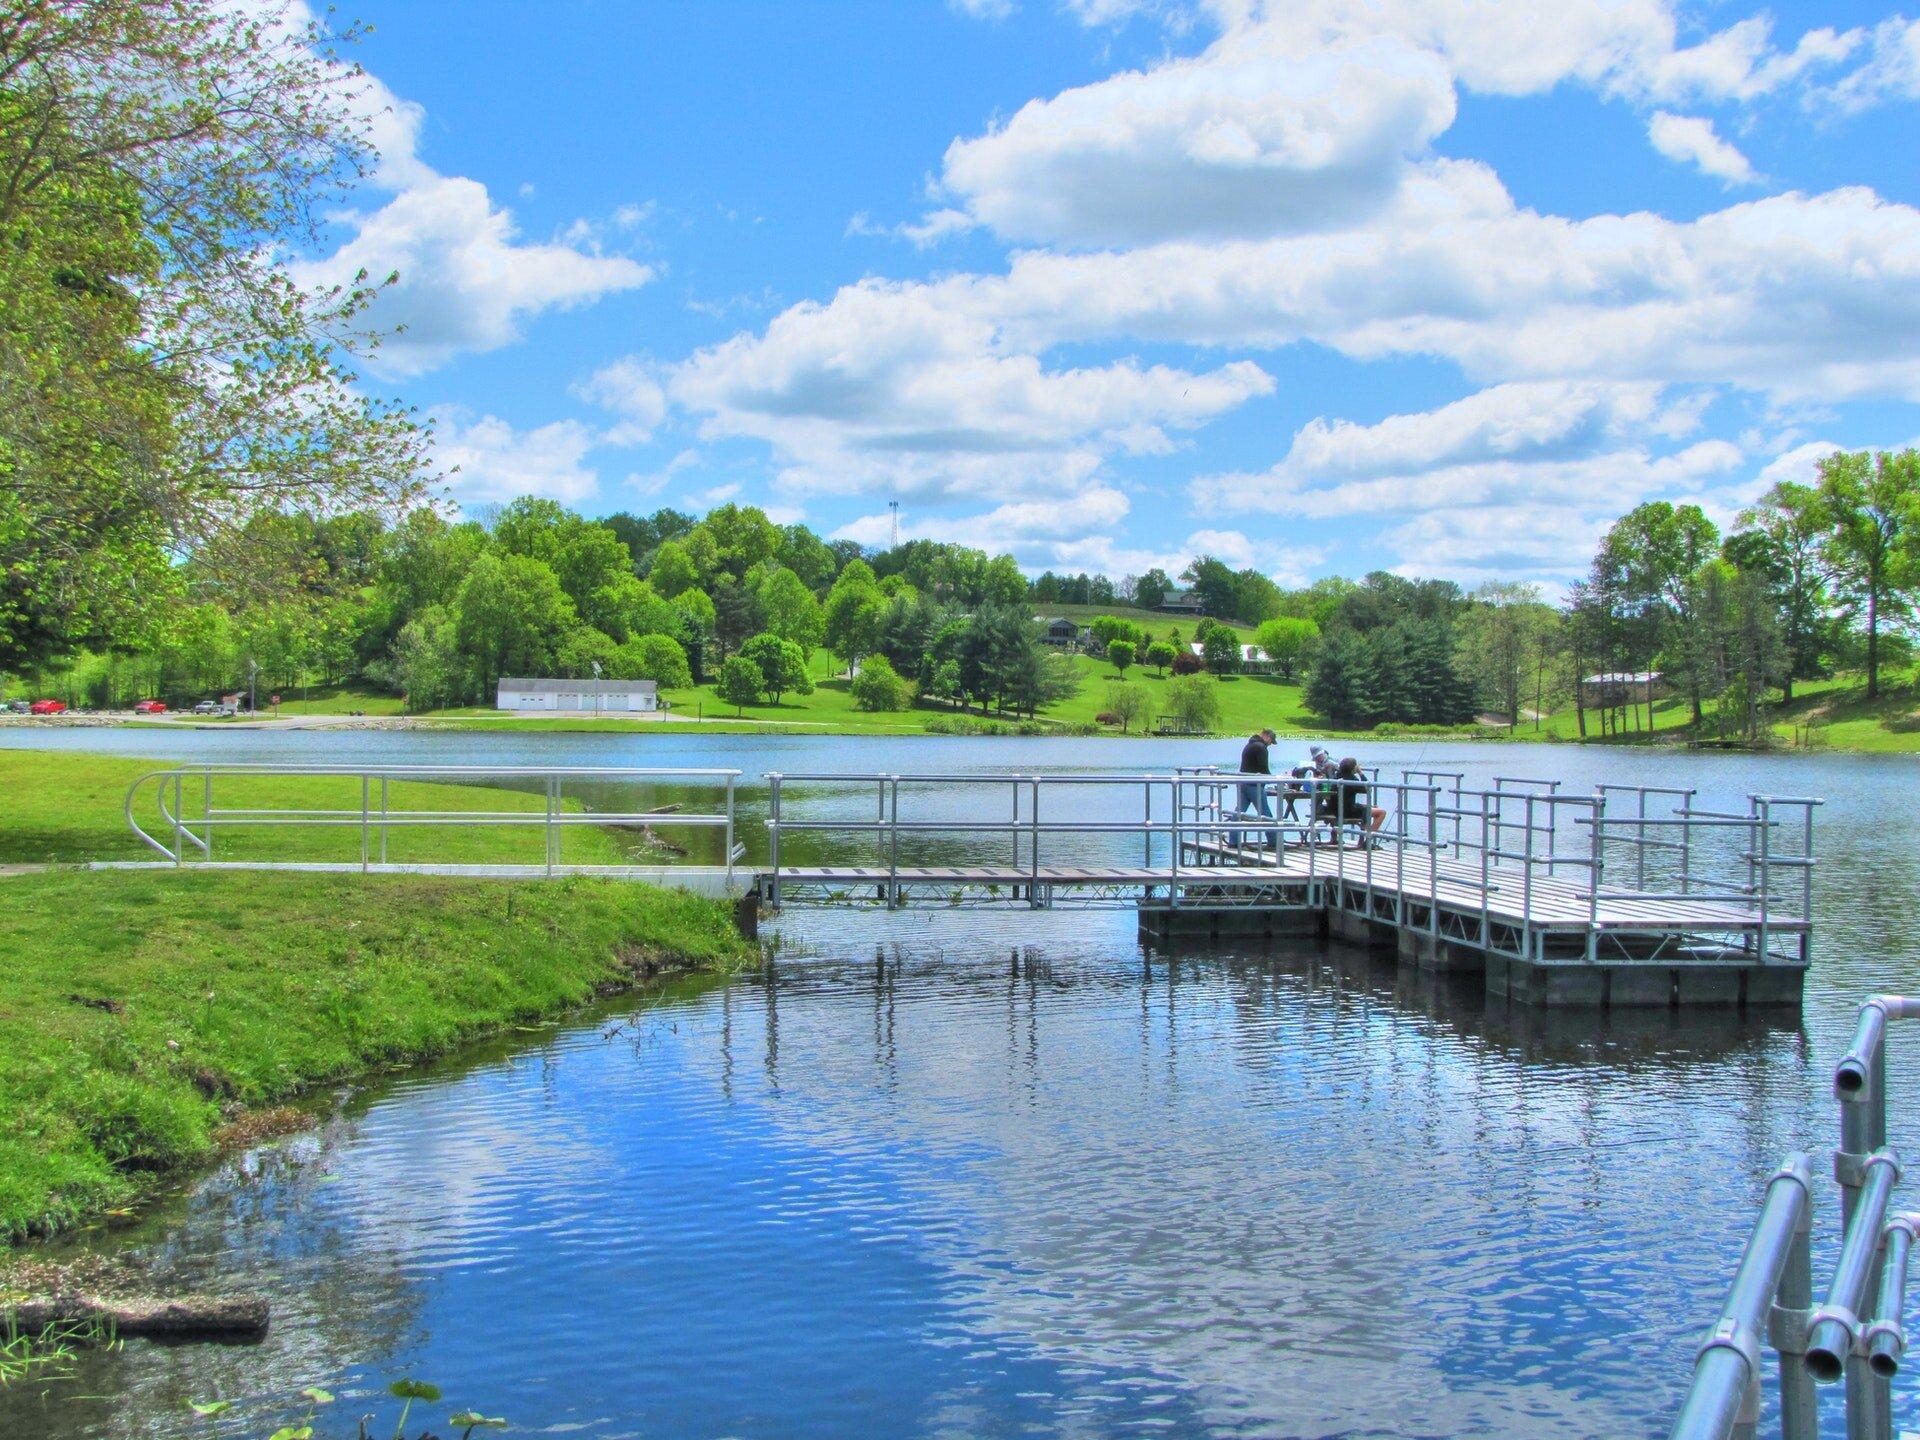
1518,835
187,837
1857,1333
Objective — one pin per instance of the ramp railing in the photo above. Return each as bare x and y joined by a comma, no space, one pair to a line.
1856,1336
180,813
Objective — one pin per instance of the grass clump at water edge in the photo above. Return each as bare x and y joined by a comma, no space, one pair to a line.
142,1013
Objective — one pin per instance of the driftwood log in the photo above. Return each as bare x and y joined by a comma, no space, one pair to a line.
176,1317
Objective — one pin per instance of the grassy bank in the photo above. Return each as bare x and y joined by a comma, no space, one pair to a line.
143,1012
69,806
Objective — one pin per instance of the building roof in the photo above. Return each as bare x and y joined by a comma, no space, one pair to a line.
580,687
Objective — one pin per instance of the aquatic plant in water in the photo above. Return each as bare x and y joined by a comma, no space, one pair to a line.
464,1422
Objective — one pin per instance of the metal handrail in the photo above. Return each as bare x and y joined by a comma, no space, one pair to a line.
375,821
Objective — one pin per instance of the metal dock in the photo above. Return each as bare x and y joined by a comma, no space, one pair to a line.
1627,895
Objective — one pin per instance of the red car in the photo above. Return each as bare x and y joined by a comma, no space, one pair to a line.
47,707
150,707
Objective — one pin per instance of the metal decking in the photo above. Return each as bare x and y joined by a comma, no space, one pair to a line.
1628,895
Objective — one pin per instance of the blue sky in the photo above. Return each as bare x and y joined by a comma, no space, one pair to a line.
1318,286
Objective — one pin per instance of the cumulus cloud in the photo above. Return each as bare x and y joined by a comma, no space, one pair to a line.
1692,140
497,463
1237,142
888,384
1891,72
466,279
630,389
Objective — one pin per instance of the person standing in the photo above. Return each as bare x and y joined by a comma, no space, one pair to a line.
1251,798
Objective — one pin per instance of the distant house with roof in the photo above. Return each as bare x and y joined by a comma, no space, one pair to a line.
1614,688
1181,602
1253,660
592,697
1059,631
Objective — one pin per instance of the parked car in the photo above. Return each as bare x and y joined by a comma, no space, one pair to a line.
150,707
18,707
206,707
49,707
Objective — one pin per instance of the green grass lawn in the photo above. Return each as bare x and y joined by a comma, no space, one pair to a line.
69,806
333,700
1831,713
142,1010
139,1011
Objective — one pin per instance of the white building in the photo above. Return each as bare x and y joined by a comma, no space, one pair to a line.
575,697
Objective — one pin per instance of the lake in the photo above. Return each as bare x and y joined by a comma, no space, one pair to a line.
966,1174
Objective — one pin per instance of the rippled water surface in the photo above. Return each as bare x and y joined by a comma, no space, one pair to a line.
961,1175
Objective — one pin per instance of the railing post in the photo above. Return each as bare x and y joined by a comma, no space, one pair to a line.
366,795
731,779
1487,805
179,815
553,804
1433,867
206,809
1764,808
1596,863
1727,1372
1146,824
1787,1332
1033,887
893,845
383,819
1526,880
773,838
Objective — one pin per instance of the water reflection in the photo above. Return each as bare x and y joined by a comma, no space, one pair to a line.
955,1178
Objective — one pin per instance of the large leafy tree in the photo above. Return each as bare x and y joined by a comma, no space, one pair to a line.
511,617
1872,547
1780,543
162,377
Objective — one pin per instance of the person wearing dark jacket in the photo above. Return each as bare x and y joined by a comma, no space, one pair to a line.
1251,798
1355,804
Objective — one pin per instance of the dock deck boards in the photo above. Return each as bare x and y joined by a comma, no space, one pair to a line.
1551,904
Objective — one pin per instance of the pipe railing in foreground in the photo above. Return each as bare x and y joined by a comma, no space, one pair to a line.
375,816
1857,1333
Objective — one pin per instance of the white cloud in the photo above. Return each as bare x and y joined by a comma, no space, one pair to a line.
630,389
498,463
1892,70
982,9
466,279
653,482
1239,141
887,384
1692,140
1795,296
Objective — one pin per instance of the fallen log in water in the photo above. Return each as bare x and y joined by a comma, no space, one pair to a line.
176,1317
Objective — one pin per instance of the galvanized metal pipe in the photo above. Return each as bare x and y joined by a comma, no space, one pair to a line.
1831,1335
1726,1373
1885,1340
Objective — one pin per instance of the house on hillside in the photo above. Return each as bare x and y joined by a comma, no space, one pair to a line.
1182,602
1059,631
578,697
1622,687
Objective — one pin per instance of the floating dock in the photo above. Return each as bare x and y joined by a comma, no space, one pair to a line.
1627,896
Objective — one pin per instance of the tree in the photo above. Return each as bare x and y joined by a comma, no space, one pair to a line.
1128,704
426,665
737,615
165,377
1193,701
1120,655
1333,687
583,648
1221,648
511,615
1160,655
1288,641
1873,508
672,571
658,658
1002,583
1151,589
789,607
1658,548
1780,542
1213,585
853,611
740,683
879,686
1500,641
781,663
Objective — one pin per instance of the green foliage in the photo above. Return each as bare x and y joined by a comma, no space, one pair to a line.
781,663
1289,642
659,658
1872,544
1193,702
510,617
791,611
1128,704
1160,654
879,687
1120,654
740,683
